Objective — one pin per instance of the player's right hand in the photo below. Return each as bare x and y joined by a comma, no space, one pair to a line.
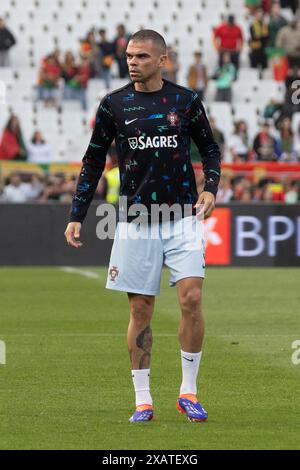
72,232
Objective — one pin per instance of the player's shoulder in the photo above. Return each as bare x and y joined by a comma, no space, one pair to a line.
183,90
118,91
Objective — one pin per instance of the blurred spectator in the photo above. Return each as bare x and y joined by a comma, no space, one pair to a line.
69,71
89,49
38,150
292,4
253,5
82,79
112,178
259,35
225,192
272,109
197,76
12,146
267,6
55,188
241,187
287,141
276,22
237,186
292,193
246,196
7,41
261,191
224,76
17,191
296,144
276,191
218,136
69,190
49,77
228,37
107,57
288,38
76,79
120,46
265,145
169,72
239,142
232,187
56,54
36,183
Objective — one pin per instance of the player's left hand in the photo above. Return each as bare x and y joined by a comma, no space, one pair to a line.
207,201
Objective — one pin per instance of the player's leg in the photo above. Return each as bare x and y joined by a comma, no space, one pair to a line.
190,334
184,255
139,335
139,340
191,327
135,267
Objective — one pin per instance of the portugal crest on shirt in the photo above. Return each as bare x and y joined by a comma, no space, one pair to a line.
173,119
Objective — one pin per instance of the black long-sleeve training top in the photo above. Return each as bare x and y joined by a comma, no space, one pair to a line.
152,131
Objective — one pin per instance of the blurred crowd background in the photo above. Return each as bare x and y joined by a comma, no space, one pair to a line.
247,86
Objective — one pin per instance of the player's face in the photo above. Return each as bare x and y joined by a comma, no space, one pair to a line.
144,60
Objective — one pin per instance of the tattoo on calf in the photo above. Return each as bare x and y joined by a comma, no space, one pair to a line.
144,341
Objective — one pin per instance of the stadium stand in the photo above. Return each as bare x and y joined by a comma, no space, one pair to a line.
41,27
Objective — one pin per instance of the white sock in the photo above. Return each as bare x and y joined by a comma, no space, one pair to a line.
141,379
190,365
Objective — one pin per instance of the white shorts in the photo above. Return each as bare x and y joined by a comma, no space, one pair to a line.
140,251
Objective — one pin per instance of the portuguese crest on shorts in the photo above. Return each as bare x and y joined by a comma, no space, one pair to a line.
113,273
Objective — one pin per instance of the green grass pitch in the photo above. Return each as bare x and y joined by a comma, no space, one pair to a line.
67,385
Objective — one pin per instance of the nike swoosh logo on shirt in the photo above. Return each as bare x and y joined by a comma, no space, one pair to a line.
190,360
129,122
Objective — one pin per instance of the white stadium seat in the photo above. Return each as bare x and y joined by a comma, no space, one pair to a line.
223,116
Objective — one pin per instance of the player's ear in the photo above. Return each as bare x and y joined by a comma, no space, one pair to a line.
163,60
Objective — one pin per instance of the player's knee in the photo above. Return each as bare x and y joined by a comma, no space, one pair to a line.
141,310
191,300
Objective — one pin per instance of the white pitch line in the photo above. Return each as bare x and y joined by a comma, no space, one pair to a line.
81,272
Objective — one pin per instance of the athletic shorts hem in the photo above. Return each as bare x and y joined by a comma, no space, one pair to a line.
185,276
131,291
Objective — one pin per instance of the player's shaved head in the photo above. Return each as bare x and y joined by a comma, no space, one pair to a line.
150,35
146,56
